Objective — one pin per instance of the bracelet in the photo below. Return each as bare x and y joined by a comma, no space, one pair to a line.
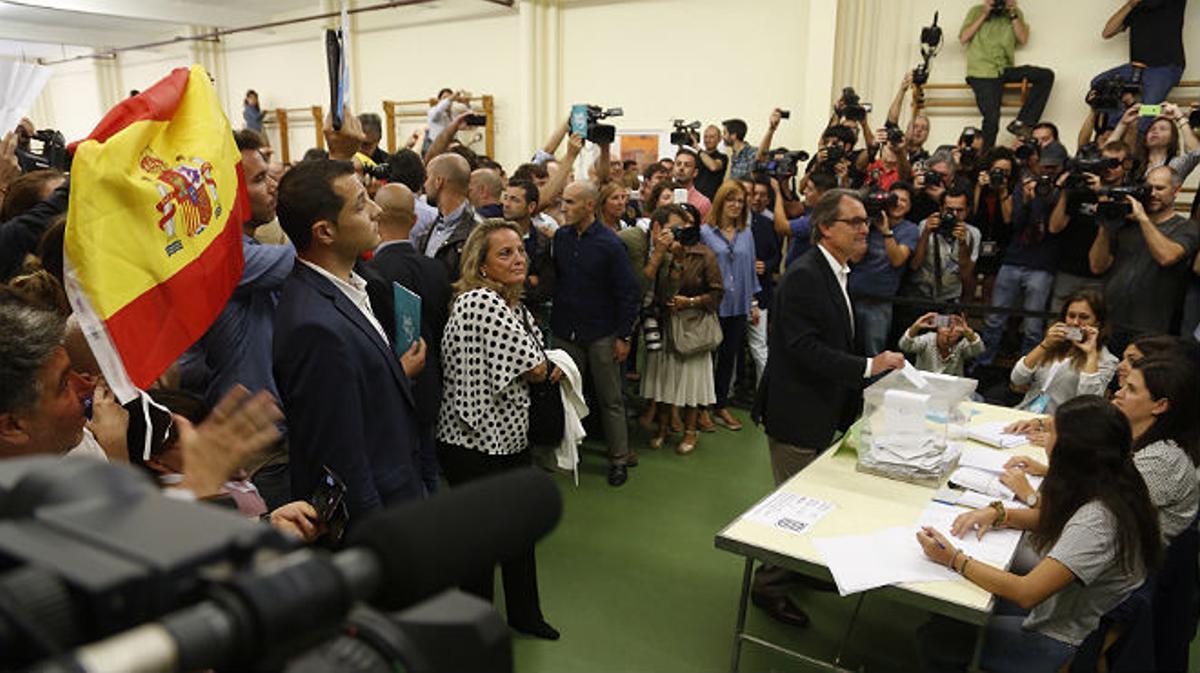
963,570
889,235
954,558
1001,513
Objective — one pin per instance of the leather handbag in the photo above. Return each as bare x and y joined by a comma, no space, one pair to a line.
694,331
547,418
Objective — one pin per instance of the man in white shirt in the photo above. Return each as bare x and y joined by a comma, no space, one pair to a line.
347,397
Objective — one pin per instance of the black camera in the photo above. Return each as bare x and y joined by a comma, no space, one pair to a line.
585,119
946,226
933,179
1028,148
834,153
1044,186
781,163
1112,204
894,135
378,171
686,235
999,9
931,41
684,134
878,202
1109,92
852,106
998,179
968,156
785,114
53,153
1194,119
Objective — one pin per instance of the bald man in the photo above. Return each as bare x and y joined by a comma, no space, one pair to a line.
396,260
484,191
447,181
595,306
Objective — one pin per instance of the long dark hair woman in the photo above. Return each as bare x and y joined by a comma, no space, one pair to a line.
1096,532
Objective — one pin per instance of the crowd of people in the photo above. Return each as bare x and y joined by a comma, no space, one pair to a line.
725,260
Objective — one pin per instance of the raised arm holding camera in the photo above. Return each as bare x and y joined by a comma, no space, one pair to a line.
991,33
918,126
1156,55
943,263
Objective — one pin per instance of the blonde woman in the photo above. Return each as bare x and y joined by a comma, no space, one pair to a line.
490,353
727,234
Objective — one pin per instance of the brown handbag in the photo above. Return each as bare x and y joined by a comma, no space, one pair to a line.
695,330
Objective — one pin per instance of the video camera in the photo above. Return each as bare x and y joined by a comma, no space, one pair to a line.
684,134
585,121
931,42
1111,202
878,201
53,153
852,106
91,550
781,163
1089,160
1109,92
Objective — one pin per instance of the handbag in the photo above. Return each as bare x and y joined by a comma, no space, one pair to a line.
694,331
547,418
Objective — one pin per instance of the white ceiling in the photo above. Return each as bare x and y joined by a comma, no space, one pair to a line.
49,25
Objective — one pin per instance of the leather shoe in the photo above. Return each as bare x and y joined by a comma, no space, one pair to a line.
617,475
781,608
538,630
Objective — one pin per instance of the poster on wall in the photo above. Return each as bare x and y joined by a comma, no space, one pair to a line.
645,146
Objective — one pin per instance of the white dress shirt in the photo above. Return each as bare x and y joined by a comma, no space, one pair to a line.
842,273
355,291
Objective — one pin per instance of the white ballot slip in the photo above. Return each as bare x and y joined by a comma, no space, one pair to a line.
889,556
790,512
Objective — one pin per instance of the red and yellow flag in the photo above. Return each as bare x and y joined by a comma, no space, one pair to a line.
154,227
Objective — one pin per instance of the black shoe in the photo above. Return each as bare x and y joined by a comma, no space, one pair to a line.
539,629
781,608
1018,128
617,475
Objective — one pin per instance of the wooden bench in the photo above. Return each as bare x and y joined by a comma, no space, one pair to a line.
1012,96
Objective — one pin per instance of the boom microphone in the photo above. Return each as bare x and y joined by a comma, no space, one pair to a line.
426,547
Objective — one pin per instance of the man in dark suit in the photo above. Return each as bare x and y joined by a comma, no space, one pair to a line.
396,260
348,399
447,180
814,378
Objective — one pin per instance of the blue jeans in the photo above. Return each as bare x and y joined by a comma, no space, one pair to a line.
1013,283
944,645
1157,82
873,322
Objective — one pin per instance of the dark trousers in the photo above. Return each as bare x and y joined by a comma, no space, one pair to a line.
988,90
274,484
519,574
733,337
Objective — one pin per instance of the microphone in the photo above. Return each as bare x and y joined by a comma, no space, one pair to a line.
426,547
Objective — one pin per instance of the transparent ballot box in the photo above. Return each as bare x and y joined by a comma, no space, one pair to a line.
906,424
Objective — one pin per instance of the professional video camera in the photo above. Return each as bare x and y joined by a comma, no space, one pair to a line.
1111,204
1108,93
53,153
852,106
931,42
585,121
781,163
877,202
684,134
94,551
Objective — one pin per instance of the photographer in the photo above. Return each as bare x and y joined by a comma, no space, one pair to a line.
799,229
967,154
741,154
710,172
943,264
993,212
918,126
1147,260
931,181
1155,41
1073,223
876,277
991,32
1026,277
835,154
892,165
684,174
1159,145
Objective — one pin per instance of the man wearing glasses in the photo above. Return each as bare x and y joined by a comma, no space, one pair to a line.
943,264
814,379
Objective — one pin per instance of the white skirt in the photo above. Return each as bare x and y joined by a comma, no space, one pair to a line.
685,381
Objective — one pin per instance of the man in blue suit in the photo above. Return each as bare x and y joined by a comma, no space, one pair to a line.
347,398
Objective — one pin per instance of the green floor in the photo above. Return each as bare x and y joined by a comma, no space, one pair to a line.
632,580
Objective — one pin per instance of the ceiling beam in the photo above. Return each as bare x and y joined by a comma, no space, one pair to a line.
172,12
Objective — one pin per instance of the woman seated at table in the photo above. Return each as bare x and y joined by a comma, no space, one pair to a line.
1071,360
1145,346
1159,397
1095,529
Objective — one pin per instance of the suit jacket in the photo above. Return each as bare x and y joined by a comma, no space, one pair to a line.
348,402
814,378
450,253
401,263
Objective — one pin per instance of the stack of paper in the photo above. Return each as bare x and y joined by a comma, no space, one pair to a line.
993,434
980,469
889,556
789,511
996,547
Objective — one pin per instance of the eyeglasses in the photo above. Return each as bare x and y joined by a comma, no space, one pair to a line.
854,221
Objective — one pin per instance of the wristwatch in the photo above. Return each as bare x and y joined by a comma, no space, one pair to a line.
1031,499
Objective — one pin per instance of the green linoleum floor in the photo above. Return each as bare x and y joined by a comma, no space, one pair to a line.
632,580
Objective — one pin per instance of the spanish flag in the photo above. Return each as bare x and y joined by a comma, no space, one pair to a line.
153,245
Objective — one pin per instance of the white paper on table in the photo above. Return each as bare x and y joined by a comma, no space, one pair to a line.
914,375
904,413
889,556
20,84
789,511
994,434
996,547
990,460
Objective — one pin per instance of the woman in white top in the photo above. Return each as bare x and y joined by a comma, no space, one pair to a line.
491,351
1071,360
944,350
1096,534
